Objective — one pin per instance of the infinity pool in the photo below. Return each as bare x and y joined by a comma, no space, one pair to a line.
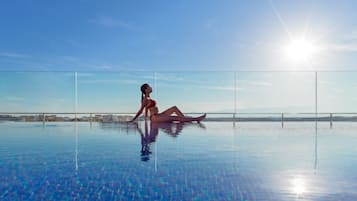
209,161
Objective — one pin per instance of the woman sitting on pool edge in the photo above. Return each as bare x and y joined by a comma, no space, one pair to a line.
166,116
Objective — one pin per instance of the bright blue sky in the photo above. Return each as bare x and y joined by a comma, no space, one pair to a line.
88,35
168,36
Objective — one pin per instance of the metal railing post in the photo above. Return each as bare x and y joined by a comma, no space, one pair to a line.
75,96
90,118
282,120
234,120
316,116
330,120
235,98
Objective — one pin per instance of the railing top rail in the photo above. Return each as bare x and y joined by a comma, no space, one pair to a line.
178,71
230,113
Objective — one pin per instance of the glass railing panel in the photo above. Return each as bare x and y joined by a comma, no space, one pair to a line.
337,92
37,92
111,92
210,92
275,92
192,92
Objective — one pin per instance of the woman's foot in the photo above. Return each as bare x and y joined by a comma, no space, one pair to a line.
200,118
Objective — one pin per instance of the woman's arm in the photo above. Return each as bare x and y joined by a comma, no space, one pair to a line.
143,104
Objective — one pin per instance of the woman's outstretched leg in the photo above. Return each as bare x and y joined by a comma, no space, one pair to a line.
165,118
173,110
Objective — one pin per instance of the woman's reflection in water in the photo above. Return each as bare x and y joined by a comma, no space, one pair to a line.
150,135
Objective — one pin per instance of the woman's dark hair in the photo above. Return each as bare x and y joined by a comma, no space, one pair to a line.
142,89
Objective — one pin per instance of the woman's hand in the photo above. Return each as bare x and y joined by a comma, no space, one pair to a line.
131,121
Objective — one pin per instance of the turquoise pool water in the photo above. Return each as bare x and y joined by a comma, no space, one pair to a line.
209,161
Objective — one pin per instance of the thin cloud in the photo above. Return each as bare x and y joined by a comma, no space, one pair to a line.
104,67
222,88
13,98
80,74
188,78
324,82
349,44
352,35
169,77
152,76
14,55
352,47
255,83
97,67
108,81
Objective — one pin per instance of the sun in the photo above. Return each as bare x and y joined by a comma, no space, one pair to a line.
301,50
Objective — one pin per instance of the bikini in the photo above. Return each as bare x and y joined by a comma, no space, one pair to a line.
151,104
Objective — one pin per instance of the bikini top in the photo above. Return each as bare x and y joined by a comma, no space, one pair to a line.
151,104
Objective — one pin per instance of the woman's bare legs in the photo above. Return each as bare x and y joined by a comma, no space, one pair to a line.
168,118
173,110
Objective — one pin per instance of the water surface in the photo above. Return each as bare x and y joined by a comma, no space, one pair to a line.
209,161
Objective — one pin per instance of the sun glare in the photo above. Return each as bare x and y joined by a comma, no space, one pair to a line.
301,50
298,185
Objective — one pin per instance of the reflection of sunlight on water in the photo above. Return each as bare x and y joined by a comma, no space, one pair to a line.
298,185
